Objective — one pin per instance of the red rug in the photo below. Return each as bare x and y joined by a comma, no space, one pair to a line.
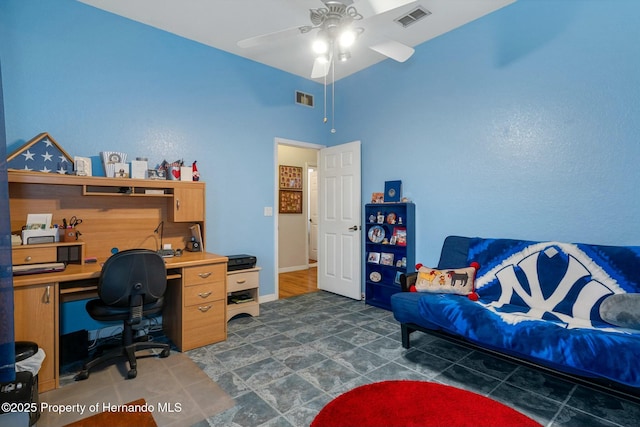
417,404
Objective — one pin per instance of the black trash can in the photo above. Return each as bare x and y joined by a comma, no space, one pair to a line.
23,392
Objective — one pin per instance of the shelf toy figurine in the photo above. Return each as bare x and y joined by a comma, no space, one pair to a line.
196,174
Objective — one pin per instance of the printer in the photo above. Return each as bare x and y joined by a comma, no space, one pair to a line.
241,262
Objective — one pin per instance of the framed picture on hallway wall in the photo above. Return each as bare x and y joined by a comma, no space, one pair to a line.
290,201
291,177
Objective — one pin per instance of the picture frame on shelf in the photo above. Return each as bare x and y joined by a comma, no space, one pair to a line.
82,166
122,170
400,236
374,257
397,279
392,191
112,162
386,258
377,197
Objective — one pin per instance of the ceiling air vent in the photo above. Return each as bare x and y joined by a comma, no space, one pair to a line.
412,17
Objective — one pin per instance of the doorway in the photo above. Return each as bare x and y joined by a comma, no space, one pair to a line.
296,232
312,213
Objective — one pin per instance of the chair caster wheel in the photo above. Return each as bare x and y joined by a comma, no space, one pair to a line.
132,373
165,353
82,375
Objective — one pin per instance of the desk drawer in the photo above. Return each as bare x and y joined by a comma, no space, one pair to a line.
211,273
27,255
204,293
204,324
243,281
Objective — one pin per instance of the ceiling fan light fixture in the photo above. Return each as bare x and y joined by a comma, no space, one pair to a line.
347,37
320,45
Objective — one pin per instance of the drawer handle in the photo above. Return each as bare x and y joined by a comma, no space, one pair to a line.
47,295
204,309
205,275
28,259
204,294
240,282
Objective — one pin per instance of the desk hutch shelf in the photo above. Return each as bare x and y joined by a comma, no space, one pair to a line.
116,212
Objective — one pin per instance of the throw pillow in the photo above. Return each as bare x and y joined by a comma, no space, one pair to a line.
621,310
458,281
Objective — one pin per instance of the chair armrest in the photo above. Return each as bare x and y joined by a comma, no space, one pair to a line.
408,280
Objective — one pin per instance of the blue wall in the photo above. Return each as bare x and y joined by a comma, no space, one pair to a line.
521,124
96,81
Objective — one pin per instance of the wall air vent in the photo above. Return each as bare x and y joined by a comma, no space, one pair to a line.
304,99
412,17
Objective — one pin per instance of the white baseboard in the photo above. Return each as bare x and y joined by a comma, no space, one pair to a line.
267,298
293,268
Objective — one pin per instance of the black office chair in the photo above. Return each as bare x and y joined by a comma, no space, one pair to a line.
132,285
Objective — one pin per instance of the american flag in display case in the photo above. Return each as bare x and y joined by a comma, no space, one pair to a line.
41,154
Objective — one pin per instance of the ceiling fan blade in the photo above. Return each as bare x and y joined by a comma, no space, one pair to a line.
375,7
271,37
394,50
320,68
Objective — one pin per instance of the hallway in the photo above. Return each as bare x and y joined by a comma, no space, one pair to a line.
298,282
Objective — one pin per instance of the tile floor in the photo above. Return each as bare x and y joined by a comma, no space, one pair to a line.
285,365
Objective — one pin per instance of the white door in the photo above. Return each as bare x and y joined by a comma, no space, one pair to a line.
339,205
313,213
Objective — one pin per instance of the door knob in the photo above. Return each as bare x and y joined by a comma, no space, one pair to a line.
354,228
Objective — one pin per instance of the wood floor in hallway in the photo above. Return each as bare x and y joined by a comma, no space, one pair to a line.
298,282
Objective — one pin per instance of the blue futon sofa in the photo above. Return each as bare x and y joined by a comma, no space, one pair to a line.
573,308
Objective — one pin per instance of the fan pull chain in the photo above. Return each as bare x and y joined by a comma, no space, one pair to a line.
325,98
333,95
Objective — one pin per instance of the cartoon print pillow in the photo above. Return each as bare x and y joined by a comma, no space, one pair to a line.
458,281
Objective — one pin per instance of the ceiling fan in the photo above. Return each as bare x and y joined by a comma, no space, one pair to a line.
336,28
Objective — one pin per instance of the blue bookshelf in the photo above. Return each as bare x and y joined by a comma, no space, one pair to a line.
390,247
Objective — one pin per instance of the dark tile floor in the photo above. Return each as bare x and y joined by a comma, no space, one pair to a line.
285,365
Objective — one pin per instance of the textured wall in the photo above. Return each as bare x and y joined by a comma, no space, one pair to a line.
96,81
521,124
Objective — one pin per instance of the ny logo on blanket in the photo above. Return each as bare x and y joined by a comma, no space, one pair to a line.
549,280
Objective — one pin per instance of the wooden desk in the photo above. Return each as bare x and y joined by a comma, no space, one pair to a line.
194,314
117,213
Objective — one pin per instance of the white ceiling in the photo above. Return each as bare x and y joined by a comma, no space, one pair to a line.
222,23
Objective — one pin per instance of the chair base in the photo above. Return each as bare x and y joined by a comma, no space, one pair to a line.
122,352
